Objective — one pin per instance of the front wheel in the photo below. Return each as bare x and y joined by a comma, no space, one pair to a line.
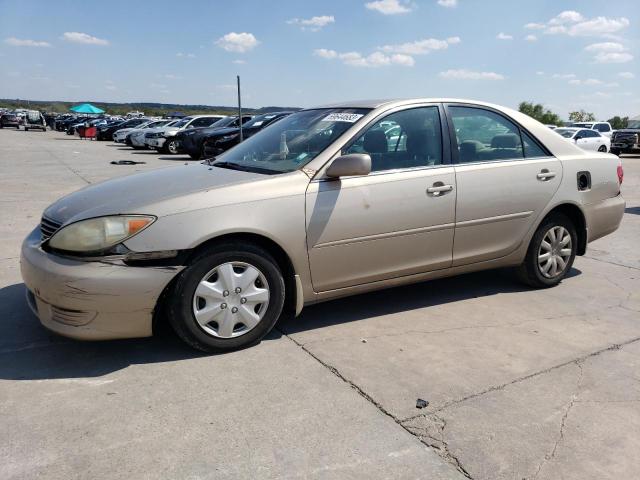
551,252
602,148
170,146
228,297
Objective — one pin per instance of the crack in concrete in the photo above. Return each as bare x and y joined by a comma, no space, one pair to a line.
438,443
550,456
442,453
495,388
611,263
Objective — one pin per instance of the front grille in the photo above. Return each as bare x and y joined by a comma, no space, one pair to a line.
48,227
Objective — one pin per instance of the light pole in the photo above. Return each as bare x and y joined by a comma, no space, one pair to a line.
239,107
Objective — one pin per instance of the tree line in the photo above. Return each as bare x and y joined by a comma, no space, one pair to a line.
546,116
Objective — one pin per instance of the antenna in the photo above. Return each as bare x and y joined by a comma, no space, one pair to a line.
239,107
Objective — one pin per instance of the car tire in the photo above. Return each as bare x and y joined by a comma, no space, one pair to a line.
170,147
614,151
195,156
184,302
26,129
602,148
532,270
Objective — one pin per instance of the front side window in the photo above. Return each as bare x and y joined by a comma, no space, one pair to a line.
291,142
485,136
406,139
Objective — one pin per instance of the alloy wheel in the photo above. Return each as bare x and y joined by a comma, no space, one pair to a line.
231,300
554,252
172,147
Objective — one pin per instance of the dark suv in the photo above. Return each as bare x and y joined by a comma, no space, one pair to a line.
9,120
223,139
627,140
190,140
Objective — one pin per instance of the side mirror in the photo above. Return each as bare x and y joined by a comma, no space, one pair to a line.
190,126
350,165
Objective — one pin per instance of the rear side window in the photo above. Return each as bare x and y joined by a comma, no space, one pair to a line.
485,136
602,127
531,148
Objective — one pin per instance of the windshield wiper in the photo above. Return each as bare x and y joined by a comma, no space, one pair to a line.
243,168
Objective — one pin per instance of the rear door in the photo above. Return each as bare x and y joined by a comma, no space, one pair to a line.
504,179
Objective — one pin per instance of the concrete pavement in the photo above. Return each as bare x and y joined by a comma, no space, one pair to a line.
521,383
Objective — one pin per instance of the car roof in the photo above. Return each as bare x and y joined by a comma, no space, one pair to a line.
405,101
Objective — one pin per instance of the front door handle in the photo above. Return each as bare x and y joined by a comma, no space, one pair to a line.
545,175
438,189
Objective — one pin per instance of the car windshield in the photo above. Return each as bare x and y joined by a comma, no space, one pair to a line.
634,124
565,132
223,122
182,123
260,120
292,142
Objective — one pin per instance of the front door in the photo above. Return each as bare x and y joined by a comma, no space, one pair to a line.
504,181
398,220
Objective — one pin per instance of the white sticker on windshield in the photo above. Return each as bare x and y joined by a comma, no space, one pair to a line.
257,124
343,117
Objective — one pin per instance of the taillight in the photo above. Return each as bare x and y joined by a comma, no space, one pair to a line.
620,174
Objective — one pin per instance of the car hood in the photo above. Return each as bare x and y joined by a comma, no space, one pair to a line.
166,130
159,192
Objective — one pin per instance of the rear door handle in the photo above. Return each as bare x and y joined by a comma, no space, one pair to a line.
545,175
439,188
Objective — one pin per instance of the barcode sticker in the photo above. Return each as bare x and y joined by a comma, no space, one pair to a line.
343,117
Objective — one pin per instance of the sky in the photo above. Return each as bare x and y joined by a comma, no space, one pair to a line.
567,55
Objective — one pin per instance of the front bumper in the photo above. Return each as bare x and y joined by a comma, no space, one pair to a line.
155,142
91,300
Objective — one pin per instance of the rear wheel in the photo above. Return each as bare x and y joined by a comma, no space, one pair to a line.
195,156
229,297
614,151
551,252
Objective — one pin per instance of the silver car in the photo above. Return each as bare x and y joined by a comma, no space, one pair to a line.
328,202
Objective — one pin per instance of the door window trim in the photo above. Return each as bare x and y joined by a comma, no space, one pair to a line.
455,157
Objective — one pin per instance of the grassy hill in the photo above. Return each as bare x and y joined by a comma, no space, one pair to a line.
154,109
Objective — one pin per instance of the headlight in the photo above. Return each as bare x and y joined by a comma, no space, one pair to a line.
229,137
99,234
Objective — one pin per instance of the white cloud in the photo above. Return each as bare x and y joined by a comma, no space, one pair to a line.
171,76
325,53
564,76
239,62
237,42
531,38
613,57
448,3
574,24
568,16
609,52
539,72
420,47
84,38
463,74
17,42
588,82
504,36
389,7
376,59
626,75
605,47
314,23
186,55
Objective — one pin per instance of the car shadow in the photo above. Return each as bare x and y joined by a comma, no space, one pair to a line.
632,210
30,352
179,158
410,297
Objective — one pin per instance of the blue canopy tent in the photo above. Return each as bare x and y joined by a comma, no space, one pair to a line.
86,108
